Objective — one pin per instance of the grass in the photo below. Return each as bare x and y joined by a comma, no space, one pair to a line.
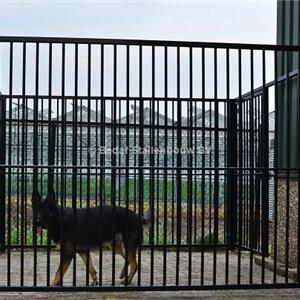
165,223
28,237
128,190
165,207
160,240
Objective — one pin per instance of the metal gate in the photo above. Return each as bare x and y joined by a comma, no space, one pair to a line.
181,131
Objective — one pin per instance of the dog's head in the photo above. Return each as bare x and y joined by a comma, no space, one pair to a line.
45,209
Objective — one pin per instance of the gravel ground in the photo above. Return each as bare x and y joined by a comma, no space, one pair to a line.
145,277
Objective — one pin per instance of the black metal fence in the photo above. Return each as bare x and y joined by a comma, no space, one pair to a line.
180,128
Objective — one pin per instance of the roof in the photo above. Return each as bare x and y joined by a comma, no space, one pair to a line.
134,117
82,115
209,119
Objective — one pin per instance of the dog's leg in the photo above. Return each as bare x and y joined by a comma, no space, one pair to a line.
91,266
64,265
133,265
123,272
120,249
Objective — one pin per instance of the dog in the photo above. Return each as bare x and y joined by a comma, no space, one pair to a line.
90,229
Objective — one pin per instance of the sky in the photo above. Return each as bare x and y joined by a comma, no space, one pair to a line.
241,21
214,21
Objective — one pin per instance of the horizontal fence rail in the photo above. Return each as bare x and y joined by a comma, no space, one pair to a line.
157,160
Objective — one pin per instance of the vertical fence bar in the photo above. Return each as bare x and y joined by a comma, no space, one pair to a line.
240,172
290,174
102,158
165,168
63,161
141,155
26,173
265,165
158,176
49,143
135,135
173,173
257,175
287,149
35,158
2,170
178,165
251,124
203,162
190,165
51,153
17,115
41,151
81,136
216,166
197,143
244,162
276,54
88,181
231,165
10,156
210,172
127,153
226,141
152,164
23,163
74,158
50,185
113,160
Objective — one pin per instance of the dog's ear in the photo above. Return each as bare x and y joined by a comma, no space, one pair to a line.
51,196
36,198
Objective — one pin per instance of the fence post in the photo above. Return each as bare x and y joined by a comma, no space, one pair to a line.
2,172
265,172
51,154
232,175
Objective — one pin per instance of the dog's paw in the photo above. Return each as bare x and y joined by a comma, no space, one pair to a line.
95,283
124,282
54,283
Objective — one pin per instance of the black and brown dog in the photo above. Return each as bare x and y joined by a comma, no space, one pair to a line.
90,228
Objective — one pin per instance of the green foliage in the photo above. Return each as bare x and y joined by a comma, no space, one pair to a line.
128,189
28,237
160,240
165,211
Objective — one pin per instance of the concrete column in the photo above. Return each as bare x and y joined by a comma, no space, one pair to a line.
292,223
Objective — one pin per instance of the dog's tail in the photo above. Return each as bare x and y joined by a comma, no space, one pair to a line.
147,218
